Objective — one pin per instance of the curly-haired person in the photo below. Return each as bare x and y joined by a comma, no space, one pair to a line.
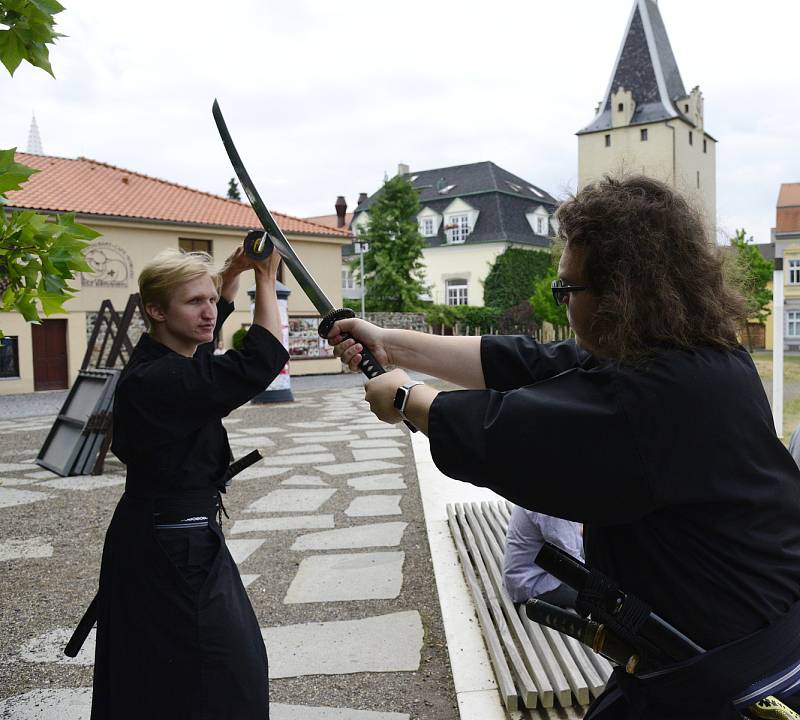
651,428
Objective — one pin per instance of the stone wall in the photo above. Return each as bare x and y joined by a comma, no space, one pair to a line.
400,321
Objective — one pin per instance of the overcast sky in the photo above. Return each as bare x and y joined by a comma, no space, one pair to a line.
323,97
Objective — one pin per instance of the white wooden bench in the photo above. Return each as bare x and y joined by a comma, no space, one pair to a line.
536,668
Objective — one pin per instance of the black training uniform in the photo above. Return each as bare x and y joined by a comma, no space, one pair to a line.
689,499
177,636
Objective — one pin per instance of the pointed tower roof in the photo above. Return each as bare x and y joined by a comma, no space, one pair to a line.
34,139
646,66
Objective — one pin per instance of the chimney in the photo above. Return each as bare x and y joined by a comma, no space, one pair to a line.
341,210
403,169
362,198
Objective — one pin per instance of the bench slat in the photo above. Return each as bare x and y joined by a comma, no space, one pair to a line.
508,693
568,665
525,683
489,549
594,682
545,653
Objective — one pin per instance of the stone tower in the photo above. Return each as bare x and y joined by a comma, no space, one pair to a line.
647,122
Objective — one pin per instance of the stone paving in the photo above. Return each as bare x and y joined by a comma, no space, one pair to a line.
329,537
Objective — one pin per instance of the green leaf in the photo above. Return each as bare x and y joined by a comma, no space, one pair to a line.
49,7
25,306
52,302
11,50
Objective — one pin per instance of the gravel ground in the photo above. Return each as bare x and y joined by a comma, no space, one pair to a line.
39,595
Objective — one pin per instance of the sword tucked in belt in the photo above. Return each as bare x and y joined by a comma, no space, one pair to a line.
624,630
89,618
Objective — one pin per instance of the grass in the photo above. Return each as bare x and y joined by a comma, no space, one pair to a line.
791,387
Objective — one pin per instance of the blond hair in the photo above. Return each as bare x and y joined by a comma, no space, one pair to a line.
170,268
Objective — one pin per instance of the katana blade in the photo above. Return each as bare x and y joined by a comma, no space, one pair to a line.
309,286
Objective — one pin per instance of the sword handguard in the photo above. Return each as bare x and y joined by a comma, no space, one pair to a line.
368,365
258,245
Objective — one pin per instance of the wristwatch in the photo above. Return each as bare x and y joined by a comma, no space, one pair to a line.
401,398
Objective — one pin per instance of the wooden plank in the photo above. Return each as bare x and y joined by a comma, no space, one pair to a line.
603,666
488,547
548,660
559,682
508,693
568,666
498,531
593,681
525,684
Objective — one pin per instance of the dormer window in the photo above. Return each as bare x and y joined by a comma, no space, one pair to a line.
427,227
541,225
457,228
643,134
705,145
691,138
686,108
608,140
620,107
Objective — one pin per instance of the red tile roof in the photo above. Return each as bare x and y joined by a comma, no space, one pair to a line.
89,187
331,221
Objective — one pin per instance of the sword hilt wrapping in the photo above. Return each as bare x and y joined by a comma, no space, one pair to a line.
368,365
258,245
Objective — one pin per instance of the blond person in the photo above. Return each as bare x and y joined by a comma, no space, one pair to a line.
177,636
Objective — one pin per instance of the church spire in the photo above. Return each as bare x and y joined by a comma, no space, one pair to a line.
34,139
645,68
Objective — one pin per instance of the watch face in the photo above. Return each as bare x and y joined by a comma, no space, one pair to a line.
399,396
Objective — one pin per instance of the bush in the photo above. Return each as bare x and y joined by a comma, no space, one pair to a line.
513,276
238,338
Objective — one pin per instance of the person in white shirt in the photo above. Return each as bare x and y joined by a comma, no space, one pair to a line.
523,578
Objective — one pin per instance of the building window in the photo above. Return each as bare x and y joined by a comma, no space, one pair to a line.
620,107
691,138
608,140
427,226
794,272
9,357
705,145
541,225
457,292
643,134
793,323
457,228
698,179
188,245
348,279
686,109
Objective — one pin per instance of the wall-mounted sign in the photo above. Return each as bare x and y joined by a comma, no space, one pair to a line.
112,266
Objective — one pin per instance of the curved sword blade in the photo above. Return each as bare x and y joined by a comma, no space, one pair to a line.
295,265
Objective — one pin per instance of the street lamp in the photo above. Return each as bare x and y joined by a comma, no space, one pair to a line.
360,248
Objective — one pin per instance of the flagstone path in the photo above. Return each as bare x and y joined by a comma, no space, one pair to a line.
329,537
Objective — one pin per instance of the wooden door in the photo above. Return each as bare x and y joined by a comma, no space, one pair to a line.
50,355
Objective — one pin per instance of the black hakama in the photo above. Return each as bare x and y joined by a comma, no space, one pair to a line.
177,636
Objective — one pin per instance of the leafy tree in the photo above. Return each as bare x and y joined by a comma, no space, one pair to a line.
37,257
542,300
511,280
233,190
30,30
393,268
753,273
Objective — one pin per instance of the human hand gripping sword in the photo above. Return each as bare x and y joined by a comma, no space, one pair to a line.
368,365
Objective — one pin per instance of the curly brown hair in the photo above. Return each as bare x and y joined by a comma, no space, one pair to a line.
649,262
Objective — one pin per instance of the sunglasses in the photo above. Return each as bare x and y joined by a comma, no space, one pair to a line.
561,291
